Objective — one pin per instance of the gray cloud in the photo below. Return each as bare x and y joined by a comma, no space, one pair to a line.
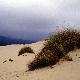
33,18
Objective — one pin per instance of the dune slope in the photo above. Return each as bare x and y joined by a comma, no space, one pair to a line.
15,69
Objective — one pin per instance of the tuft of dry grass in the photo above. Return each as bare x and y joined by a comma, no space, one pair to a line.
56,47
25,50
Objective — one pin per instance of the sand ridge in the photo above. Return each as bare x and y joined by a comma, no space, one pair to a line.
16,69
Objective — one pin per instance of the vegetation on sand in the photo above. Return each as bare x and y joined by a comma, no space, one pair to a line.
25,50
56,47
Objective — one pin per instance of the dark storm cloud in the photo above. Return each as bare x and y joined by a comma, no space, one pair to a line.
26,19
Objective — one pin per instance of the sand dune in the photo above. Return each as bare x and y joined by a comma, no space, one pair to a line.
16,69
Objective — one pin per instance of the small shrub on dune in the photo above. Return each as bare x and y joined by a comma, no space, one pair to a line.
56,47
25,50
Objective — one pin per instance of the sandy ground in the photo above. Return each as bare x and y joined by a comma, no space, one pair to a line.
16,70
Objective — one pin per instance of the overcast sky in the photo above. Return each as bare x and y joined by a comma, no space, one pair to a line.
36,18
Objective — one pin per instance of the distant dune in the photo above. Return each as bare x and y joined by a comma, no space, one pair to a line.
14,67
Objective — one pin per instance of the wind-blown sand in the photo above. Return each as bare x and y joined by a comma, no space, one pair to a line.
16,70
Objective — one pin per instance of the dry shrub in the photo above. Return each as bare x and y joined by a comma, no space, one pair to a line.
56,47
25,50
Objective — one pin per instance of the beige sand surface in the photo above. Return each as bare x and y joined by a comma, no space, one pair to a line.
16,70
